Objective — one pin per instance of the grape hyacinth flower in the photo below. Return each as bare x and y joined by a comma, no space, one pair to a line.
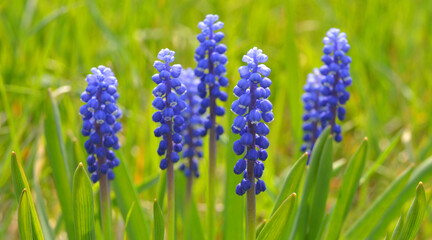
211,60
100,114
169,106
311,117
254,110
193,129
335,78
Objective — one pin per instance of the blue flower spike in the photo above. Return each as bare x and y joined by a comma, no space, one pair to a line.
169,105
336,77
193,128
254,110
211,59
100,114
312,109
330,82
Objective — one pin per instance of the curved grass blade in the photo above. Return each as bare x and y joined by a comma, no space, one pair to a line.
126,195
24,219
159,226
422,172
382,157
58,162
20,183
127,219
83,208
365,224
322,187
299,228
192,226
274,227
415,215
398,230
347,191
291,181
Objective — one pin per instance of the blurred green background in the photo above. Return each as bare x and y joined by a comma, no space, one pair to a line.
53,44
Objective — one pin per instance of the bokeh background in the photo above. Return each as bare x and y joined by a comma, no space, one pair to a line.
53,44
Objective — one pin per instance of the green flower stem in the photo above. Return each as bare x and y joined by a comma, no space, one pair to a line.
105,206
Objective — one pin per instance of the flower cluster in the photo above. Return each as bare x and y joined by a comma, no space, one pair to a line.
211,69
252,107
336,77
326,90
169,107
311,117
100,114
193,129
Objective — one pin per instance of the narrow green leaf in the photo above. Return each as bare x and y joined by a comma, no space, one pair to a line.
321,190
348,190
299,227
159,227
364,225
382,157
126,195
127,219
398,230
20,183
56,158
83,208
422,172
273,229
193,227
292,181
24,219
148,183
415,215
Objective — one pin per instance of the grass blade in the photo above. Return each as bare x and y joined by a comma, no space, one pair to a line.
83,208
56,158
321,190
193,228
398,230
347,191
422,172
24,219
291,181
274,227
20,183
365,224
415,214
301,219
158,233
126,195
382,157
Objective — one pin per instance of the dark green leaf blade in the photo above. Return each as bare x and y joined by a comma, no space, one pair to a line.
299,228
274,227
159,226
56,158
20,183
291,181
366,223
24,219
83,208
126,195
415,215
348,190
322,187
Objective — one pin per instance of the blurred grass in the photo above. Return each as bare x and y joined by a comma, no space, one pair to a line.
53,44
